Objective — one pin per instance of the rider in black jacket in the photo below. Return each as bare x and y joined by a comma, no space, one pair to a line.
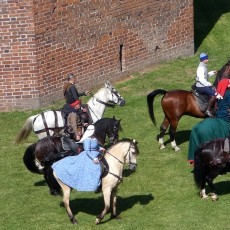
70,91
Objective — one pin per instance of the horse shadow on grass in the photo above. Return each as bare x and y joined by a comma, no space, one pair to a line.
94,206
181,137
222,187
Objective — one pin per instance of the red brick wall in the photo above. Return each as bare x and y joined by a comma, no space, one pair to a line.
44,40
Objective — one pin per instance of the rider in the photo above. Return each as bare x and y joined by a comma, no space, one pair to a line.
70,91
72,99
82,172
75,114
202,83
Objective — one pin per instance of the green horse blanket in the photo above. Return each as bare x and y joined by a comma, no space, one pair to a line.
207,130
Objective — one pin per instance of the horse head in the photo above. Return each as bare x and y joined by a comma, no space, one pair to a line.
113,132
224,72
114,96
131,155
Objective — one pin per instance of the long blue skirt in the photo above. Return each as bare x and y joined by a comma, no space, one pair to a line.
78,172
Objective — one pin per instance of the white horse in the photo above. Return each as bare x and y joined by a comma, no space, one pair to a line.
49,123
124,151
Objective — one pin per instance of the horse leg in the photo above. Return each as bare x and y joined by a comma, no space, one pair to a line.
212,175
51,181
107,195
114,205
163,129
172,134
203,194
66,194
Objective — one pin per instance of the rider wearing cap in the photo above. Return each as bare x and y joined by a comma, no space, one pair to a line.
70,91
202,83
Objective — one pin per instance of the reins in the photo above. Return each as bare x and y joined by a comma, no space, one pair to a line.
121,162
109,104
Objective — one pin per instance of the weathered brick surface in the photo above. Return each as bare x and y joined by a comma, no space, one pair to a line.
44,40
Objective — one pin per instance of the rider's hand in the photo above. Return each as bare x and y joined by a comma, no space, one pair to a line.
96,161
87,93
218,96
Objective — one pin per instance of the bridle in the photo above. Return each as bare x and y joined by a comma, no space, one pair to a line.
112,104
122,162
114,134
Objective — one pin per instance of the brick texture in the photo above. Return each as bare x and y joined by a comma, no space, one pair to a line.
44,40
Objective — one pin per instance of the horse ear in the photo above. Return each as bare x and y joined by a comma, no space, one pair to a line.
107,84
114,117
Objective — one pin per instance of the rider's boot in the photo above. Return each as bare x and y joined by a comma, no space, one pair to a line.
211,103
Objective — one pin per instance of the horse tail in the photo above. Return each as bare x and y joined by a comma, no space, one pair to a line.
199,168
150,99
25,131
29,160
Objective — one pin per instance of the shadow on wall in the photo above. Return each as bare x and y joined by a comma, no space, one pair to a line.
206,14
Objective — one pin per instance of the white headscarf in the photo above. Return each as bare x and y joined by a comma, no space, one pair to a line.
88,133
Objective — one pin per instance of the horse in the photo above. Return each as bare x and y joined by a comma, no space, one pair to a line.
51,123
39,156
211,159
177,103
124,151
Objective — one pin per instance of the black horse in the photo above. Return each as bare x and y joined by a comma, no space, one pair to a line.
211,159
39,156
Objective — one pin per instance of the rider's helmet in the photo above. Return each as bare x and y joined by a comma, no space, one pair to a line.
203,56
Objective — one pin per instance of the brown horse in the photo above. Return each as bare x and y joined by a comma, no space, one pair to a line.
177,103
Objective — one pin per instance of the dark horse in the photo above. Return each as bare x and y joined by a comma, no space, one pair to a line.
177,103
211,160
40,156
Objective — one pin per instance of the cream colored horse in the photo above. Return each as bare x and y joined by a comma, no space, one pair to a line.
125,151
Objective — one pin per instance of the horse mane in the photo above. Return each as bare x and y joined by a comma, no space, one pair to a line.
126,139
103,123
220,73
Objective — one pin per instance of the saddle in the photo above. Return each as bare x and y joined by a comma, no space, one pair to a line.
104,165
68,148
201,99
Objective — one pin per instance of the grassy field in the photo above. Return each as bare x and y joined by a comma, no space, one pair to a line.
161,194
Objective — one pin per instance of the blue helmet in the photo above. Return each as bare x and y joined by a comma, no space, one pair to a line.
203,56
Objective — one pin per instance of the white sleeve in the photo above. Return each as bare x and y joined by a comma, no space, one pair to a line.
201,78
211,73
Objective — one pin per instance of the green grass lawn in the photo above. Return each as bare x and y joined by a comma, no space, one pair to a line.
161,194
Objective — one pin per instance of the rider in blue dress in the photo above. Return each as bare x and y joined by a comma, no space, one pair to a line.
81,172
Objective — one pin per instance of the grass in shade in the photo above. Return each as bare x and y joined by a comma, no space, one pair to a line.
161,194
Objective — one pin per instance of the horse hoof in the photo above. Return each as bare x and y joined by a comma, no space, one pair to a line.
214,197
204,197
118,218
74,222
97,221
162,147
176,149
